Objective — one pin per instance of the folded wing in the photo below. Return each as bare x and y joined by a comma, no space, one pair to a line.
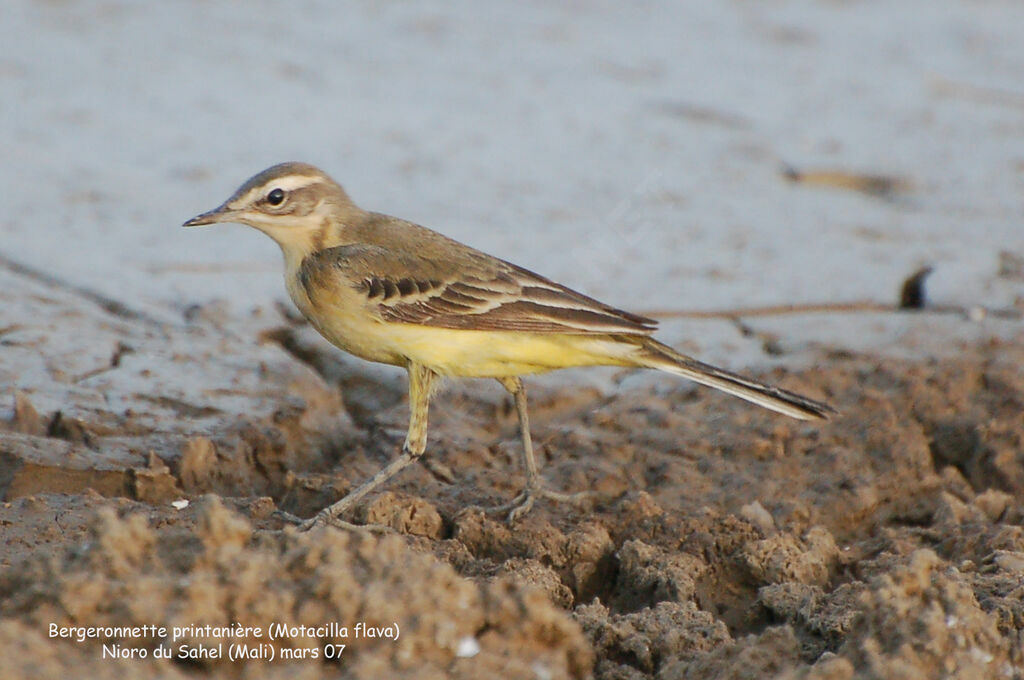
483,293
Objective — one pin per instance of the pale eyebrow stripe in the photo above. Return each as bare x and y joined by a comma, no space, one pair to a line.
293,182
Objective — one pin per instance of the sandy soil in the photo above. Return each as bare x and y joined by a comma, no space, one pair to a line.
726,542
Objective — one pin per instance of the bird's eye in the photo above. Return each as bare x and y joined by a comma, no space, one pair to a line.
275,197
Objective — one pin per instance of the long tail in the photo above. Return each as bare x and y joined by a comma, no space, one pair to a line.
653,354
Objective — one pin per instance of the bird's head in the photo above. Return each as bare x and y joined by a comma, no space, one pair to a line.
295,204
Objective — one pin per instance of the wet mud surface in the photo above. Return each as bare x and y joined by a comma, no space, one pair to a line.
723,541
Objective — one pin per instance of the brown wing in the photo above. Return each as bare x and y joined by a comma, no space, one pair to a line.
485,294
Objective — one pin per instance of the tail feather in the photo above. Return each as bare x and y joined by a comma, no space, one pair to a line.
662,357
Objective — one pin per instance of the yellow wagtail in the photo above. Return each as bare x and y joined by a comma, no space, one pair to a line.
391,291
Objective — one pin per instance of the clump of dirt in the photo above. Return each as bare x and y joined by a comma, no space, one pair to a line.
924,615
209,567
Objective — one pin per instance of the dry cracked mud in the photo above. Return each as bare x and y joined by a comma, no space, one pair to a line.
725,542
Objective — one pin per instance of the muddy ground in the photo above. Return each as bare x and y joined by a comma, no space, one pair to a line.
725,542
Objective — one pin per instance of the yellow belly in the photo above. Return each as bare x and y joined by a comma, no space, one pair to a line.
500,353
479,354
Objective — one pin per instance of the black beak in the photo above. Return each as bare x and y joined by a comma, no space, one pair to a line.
219,214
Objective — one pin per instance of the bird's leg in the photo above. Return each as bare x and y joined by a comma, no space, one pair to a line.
521,504
421,382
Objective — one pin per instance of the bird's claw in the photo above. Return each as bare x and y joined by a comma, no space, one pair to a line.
324,518
519,506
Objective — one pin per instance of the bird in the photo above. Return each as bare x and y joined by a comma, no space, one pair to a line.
391,291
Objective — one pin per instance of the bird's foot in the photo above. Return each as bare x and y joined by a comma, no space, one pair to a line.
329,517
331,514
519,506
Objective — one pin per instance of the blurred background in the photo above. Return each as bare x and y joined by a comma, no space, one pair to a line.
661,156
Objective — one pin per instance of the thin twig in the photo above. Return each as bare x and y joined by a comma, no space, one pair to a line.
860,306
